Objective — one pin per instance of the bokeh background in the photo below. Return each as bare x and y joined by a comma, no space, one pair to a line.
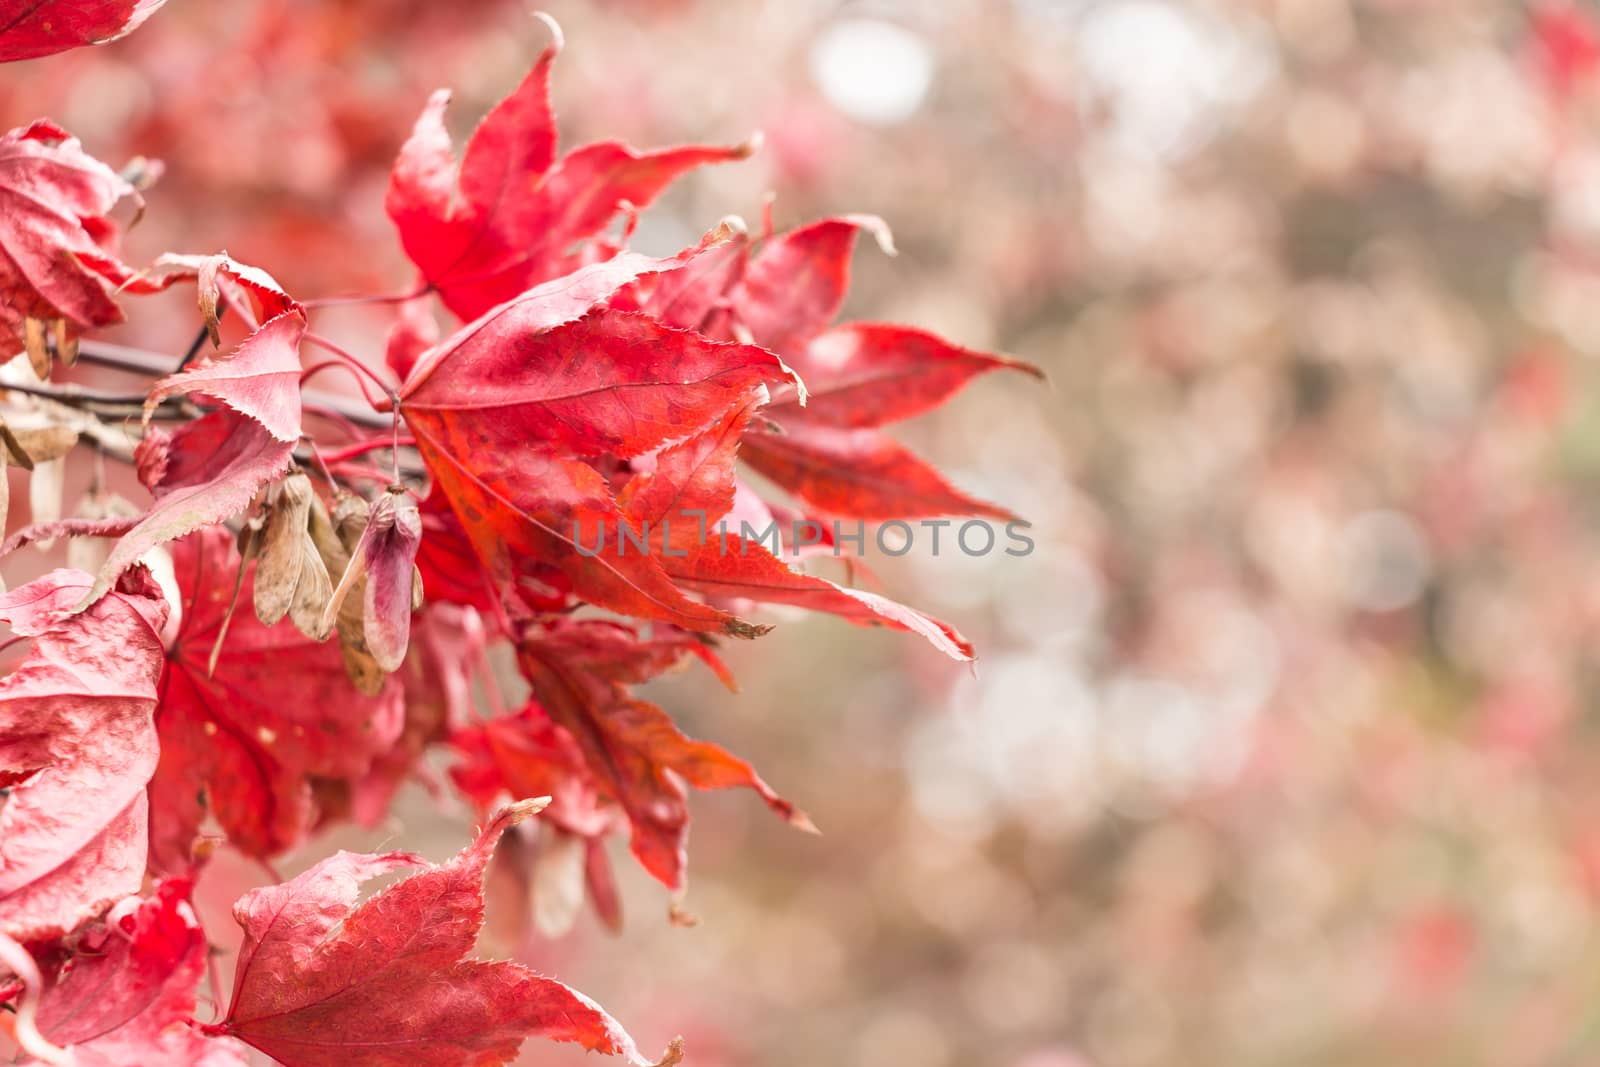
1284,746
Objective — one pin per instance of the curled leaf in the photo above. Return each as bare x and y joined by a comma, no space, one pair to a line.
126,993
56,261
210,469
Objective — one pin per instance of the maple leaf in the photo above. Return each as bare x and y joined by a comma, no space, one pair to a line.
243,740
33,28
501,410
56,240
210,469
125,994
321,979
511,217
858,376
76,722
580,671
687,494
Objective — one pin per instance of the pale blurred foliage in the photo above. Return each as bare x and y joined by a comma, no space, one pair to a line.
1282,746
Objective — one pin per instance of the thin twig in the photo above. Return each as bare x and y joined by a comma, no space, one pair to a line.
200,339
139,361
388,298
361,448
75,396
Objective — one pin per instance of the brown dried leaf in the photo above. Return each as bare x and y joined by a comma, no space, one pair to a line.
42,443
33,342
14,453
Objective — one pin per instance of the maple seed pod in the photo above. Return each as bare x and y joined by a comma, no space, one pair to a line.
350,520
291,578
383,561
363,669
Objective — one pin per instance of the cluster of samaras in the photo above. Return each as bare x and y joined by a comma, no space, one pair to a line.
334,583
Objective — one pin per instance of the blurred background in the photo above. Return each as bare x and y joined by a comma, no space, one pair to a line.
1284,746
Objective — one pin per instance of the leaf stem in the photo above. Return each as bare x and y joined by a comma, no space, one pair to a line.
363,447
359,367
422,289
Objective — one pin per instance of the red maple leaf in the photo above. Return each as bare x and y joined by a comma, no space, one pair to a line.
56,239
505,412
511,218
581,671
125,993
321,979
243,741
76,723
30,28
858,376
